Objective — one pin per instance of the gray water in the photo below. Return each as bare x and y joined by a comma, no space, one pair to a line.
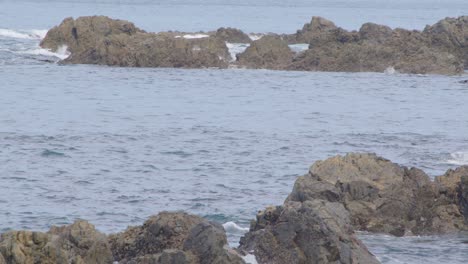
115,145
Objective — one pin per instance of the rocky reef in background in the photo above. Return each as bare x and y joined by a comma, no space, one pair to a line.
439,49
315,224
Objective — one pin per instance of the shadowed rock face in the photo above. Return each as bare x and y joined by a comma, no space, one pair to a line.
314,231
173,238
101,40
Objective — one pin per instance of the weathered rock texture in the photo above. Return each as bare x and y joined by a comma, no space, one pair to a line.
101,40
232,35
382,196
356,192
271,52
440,49
173,238
315,231
78,243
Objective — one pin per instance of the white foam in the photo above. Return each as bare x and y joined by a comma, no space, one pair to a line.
390,70
195,36
250,259
300,47
254,37
232,227
62,52
31,34
236,48
458,158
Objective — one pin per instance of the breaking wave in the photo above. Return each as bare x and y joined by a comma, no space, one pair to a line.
20,34
458,158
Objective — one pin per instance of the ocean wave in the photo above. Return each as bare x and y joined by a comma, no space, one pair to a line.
254,37
193,36
62,52
232,227
458,158
23,34
236,48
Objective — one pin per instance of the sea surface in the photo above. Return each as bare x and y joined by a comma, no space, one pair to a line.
116,145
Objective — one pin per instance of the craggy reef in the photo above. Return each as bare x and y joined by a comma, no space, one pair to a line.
439,49
316,223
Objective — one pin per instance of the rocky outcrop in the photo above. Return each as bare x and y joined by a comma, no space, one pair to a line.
315,231
101,40
376,48
382,196
439,49
232,35
271,52
78,243
173,238
166,238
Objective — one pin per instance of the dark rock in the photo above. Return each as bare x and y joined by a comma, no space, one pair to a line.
310,232
271,52
173,238
232,35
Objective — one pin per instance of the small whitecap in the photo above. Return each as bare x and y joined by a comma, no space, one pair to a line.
300,47
232,227
390,70
458,158
62,52
236,48
195,36
255,37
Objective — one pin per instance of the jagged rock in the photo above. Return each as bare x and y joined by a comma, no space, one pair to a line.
437,50
101,40
271,52
451,35
78,243
314,231
173,238
382,196
463,197
232,35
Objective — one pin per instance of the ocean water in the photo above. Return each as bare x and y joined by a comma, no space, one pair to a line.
116,145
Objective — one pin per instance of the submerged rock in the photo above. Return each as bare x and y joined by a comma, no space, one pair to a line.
101,40
173,238
78,243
